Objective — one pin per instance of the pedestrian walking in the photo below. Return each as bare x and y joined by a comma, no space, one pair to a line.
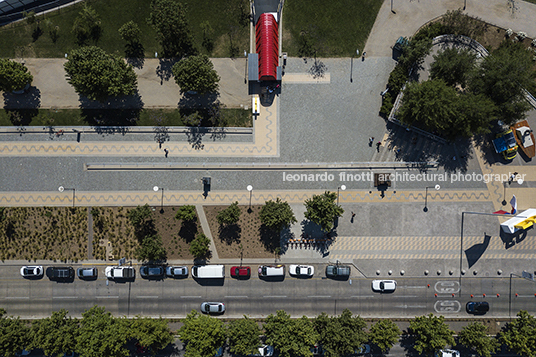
166,151
353,214
512,178
378,144
363,57
370,141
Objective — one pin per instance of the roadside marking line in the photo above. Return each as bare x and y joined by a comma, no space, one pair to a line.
190,297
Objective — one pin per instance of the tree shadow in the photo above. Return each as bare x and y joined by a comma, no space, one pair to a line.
218,133
112,116
270,239
318,69
163,70
195,137
474,253
161,134
407,342
30,99
188,231
135,54
230,233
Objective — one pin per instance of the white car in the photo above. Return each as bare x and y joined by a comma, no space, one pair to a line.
384,286
301,270
32,271
120,272
213,307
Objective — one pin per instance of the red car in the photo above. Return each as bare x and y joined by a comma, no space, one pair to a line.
241,272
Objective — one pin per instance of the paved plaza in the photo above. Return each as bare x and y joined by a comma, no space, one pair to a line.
318,124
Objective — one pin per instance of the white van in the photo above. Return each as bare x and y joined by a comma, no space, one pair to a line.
208,271
271,270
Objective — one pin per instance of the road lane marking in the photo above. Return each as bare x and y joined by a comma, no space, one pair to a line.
275,296
65,297
410,306
319,296
147,297
190,297
15,297
108,297
236,296
415,287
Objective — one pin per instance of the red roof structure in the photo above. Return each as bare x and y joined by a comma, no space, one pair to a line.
267,38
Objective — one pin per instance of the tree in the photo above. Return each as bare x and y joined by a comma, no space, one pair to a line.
475,337
99,75
199,247
13,75
101,334
322,210
230,215
14,335
435,106
520,334
140,215
453,66
130,32
244,336
502,77
202,334
291,338
196,73
384,334
340,335
87,26
277,215
151,249
56,334
168,17
186,213
431,333
151,333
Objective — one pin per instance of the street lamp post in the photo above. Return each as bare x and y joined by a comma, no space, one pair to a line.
250,189
437,187
61,189
341,187
155,189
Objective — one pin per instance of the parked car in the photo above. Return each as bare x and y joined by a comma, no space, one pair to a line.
177,272
213,307
301,270
241,272
87,273
264,351
363,350
477,307
120,272
271,270
151,272
60,273
384,286
338,271
31,271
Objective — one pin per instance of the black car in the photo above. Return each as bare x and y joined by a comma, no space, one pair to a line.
60,273
152,272
338,271
477,307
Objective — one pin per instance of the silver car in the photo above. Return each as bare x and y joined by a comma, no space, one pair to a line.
213,307
177,272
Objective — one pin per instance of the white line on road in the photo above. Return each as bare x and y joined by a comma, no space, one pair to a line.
18,298
415,287
319,296
236,296
108,297
147,297
190,297
65,297
275,296
410,306
363,296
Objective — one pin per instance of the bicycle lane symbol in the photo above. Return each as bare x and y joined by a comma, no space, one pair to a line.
447,288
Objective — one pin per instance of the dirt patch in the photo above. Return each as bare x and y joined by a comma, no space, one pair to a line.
246,239
54,233
176,237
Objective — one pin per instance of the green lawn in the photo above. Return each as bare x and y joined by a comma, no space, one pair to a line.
331,28
146,117
224,18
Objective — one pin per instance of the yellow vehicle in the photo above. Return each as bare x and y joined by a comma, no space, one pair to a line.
505,143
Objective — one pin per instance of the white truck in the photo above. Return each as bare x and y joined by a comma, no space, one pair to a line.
215,271
120,272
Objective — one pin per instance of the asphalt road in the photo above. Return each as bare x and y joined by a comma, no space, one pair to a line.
258,298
